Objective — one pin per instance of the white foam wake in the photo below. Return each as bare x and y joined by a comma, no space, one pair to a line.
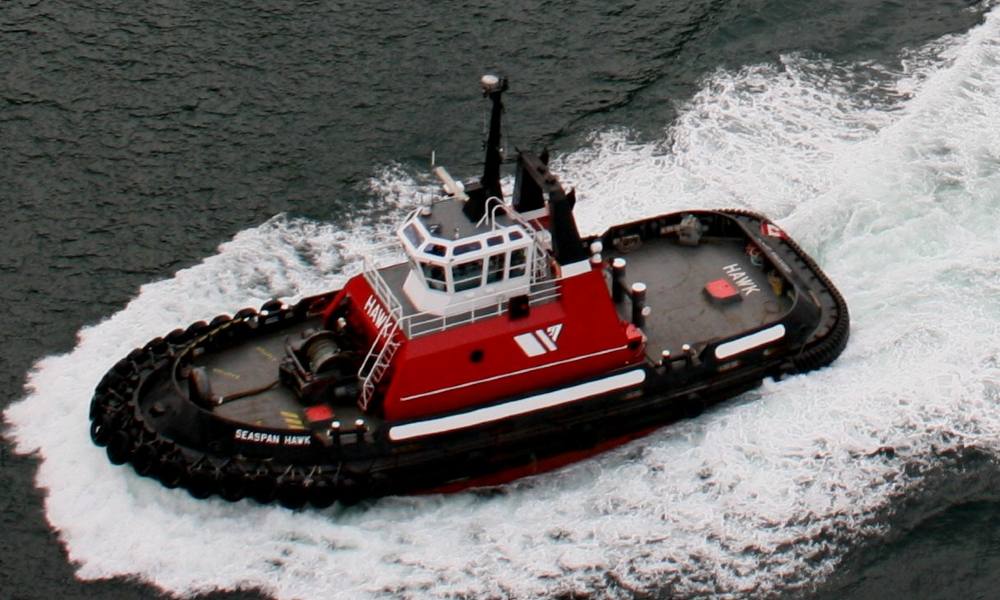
894,187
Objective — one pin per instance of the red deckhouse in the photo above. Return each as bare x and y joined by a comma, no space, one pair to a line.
484,308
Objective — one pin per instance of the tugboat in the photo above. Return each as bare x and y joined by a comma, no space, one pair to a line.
504,344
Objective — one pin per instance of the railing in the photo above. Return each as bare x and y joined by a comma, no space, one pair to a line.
374,366
463,313
382,289
379,358
539,266
424,323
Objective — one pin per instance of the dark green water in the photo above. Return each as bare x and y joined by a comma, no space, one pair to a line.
136,139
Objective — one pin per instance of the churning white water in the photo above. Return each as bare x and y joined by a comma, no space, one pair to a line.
889,177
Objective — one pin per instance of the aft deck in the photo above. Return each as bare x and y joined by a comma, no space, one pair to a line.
682,312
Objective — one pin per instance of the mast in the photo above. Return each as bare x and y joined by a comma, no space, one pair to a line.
493,87
489,183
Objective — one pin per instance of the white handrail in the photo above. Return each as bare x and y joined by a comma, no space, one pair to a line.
382,289
379,365
424,323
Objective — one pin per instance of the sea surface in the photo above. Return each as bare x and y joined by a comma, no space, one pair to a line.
165,161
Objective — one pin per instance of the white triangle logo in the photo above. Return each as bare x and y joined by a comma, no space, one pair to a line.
539,341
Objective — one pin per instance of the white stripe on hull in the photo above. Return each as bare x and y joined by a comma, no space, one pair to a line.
749,342
517,407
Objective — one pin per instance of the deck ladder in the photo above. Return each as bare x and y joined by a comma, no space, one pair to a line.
377,362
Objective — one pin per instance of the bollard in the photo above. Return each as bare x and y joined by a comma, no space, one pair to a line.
595,252
638,304
618,280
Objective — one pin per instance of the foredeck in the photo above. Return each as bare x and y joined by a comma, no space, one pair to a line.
254,366
682,312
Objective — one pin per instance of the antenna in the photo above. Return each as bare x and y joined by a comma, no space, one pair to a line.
489,183
493,88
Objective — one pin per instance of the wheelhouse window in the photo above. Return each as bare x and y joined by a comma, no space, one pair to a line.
436,249
467,275
413,234
495,268
466,248
517,262
435,276
484,261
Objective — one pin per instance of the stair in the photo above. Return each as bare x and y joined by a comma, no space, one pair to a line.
375,365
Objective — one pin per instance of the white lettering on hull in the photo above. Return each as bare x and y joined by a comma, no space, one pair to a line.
270,439
743,281
375,312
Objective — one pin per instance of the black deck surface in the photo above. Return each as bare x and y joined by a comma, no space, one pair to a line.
395,276
255,365
449,222
682,312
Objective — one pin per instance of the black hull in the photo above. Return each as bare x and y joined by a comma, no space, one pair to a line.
140,421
